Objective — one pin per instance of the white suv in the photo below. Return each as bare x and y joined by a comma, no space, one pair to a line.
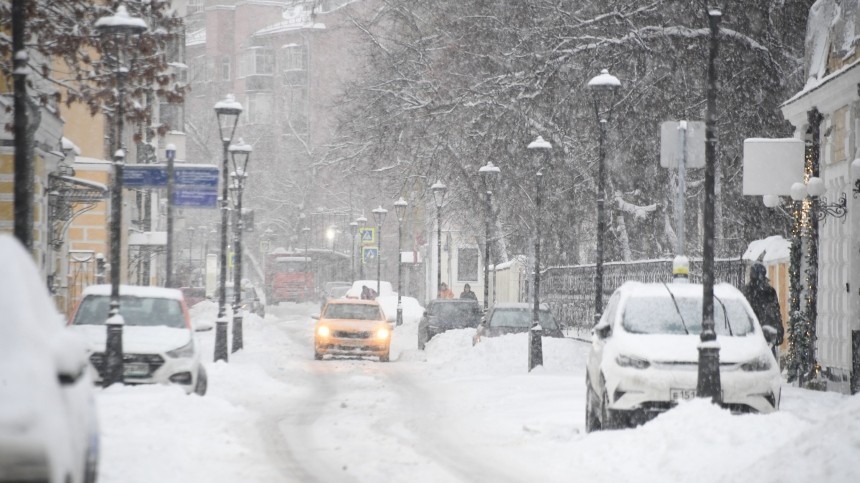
158,342
644,354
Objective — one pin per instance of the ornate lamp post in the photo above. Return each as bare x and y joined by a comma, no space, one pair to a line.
400,210
489,173
353,229
227,111
604,87
362,221
120,30
539,145
241,154
439,191
379,217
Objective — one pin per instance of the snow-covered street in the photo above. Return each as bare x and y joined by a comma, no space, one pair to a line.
451,413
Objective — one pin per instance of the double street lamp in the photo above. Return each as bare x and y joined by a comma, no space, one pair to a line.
353,229
539,145
439,190
604,88
362,222
227,112
241,154
121,31
489,173
379,217
400,210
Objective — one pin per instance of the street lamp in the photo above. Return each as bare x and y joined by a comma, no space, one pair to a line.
400,210
379,216
539,145
120,30
362,221
353,229
306,234
241,154
190,231
439,190
604,87
489,173
170,153
227,112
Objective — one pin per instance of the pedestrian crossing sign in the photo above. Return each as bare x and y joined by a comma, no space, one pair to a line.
369,254
367,235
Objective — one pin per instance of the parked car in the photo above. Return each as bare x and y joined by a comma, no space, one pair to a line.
48,421
251,299
158,341
333,290
193,295
352,327
446,314
644,354
355,291
512,318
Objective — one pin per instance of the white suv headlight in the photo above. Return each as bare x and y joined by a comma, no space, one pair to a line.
185,351
632,361
761,363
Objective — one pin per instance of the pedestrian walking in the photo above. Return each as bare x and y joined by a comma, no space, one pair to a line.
764,302
467,293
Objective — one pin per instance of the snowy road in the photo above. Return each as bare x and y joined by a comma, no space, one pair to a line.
451,413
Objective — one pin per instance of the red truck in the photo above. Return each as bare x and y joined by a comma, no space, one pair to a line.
288,277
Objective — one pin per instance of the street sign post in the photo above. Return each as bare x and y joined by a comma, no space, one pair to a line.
367,235
369,254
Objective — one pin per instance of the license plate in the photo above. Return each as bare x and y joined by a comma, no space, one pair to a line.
679,394
135,369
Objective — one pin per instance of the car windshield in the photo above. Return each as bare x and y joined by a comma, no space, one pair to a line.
456,312
352,311
658,315
137,311
520,318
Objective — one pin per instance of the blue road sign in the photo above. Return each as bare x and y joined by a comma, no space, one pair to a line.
368,254
196,198
155,175
367,235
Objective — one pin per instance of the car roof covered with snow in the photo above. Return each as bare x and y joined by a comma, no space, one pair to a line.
693,290
135,291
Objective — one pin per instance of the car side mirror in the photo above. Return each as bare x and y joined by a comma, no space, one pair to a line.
602,331
70,356
202,325
315,316
769,334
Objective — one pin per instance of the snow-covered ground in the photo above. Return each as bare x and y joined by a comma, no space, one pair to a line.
450,413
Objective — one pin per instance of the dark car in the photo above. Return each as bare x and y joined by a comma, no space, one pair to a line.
446,314
333,290
250,299
511,318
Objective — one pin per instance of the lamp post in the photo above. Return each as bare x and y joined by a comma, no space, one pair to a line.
353,229
604,87
539,145
439,190
362,221
306,234
190,230
400,210
170,153
379,217
489,173
708,383
119,29
241,154
227,111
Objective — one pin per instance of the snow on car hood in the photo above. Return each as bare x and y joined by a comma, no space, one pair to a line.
137,340
685,348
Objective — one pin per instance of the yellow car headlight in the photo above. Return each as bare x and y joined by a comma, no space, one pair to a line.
323,331
383,334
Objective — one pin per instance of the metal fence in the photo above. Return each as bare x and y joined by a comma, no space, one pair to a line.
569,291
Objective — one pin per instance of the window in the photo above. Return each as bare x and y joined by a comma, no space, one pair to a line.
195,6
257,61
225,69
259,108
295,110
292,57
172,116
467,264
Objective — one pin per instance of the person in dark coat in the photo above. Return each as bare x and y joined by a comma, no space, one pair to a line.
367,293
763,300
467,293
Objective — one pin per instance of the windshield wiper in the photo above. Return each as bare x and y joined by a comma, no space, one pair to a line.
725,316
676,308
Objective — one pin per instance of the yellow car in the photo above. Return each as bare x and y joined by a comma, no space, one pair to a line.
350,327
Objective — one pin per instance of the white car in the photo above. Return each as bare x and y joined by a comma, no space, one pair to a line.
158,342
644,354
48,422
355,291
